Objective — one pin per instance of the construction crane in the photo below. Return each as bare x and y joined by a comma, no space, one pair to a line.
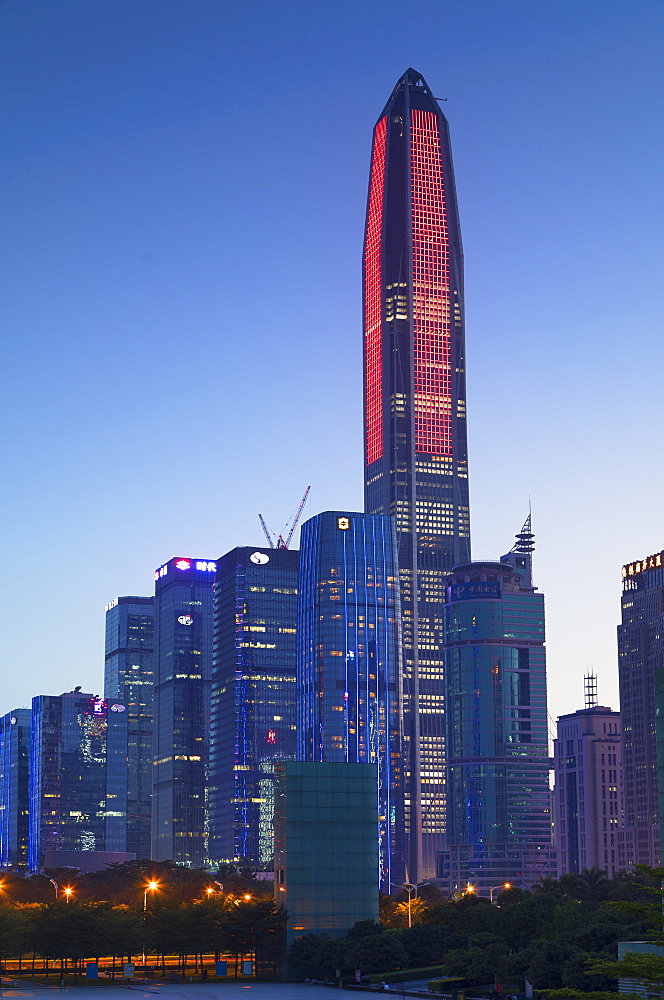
278,541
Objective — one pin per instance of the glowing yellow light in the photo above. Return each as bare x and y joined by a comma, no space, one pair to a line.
470,888
152,886
247,896
507,885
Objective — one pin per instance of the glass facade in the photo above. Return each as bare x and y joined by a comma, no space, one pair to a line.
640,653
14,791
415,416
253,711
129,679
349,705
182,669
326,854
497,764
78,775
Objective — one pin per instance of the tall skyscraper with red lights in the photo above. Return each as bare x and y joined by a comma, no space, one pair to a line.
414,416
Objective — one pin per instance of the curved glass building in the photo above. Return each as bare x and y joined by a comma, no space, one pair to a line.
497,765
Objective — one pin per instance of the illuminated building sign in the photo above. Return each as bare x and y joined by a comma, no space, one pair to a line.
112,604
186,620
202,565
473,591
343,523
260,558
650,562
99,706
118,708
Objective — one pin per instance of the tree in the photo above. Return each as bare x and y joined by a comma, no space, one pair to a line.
377,953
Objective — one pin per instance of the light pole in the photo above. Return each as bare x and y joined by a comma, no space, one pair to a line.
410,889
68,893
150,887
55,886
505,885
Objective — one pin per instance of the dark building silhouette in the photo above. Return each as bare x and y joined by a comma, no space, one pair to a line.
415,415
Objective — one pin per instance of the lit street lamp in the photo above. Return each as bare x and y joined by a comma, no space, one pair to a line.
410,889
68,893
150,887
505,885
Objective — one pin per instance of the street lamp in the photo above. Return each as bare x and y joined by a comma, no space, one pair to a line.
505,885
469,890
150,887
410,889
55,886
68,892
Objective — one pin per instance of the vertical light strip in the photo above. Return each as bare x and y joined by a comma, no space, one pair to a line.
431,291
373,379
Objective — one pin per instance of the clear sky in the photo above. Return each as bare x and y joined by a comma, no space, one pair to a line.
182,201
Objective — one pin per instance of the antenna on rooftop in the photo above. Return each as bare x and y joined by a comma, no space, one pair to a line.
590,690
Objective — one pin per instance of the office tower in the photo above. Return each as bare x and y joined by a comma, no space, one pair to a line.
640,652
14,791
253,711
349,661
497,765
128,679
78,775
415,414
326,852
181,710
587,754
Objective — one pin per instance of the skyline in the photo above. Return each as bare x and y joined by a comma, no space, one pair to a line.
147,261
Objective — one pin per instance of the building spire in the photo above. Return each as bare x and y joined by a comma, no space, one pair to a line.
525,540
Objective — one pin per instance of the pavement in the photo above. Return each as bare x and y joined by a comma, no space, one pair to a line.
179,991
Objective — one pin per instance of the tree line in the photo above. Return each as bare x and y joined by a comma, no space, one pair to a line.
562,934
135,919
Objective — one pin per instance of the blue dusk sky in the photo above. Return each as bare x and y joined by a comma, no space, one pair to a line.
183,195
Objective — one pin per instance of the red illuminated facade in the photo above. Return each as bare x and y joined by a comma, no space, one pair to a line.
415,415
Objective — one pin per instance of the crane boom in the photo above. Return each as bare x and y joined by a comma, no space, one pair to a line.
297,518
266,531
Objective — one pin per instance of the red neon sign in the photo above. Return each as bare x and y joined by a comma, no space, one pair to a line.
373,301
431,291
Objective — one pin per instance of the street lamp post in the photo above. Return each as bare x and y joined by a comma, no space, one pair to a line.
55,886
68,893
505,885
410,889
150,887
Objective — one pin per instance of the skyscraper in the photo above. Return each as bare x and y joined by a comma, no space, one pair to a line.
415,415
78,775
497,764
252,724
349,661
129,679
182,667
14,787
587,797
640,653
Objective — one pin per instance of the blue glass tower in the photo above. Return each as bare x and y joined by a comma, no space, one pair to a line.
349,698
182,666
252,724
129,680
78,775
497,764
14,790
